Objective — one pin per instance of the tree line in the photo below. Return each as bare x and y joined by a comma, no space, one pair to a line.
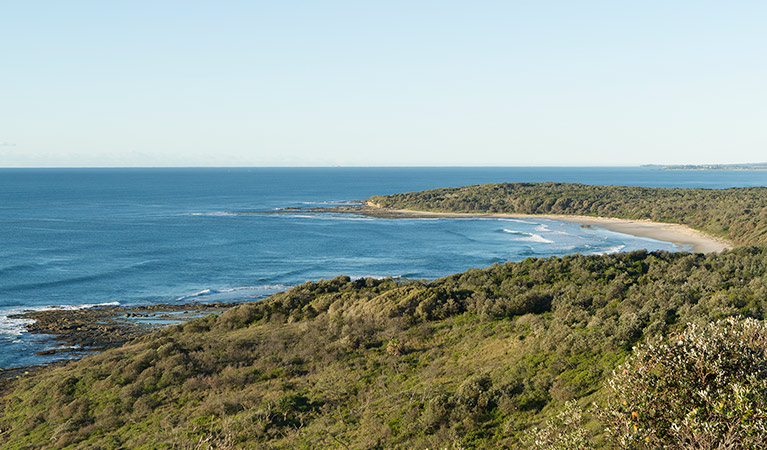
736,214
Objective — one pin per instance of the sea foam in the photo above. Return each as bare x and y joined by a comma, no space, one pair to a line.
214,214
16,326
607,251
227,293
528,237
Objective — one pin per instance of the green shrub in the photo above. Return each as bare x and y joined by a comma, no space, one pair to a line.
704,388
565,431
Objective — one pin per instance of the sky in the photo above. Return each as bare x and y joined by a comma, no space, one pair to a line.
386,83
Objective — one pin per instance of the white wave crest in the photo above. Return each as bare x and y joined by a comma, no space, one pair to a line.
16,326
536,238
359,219
518,221
528,237
214,214
13,327
331,217
610,250
83,306
264,289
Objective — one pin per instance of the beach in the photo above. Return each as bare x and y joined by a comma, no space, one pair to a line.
680,235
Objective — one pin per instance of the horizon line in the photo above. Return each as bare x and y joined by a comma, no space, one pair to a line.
394,166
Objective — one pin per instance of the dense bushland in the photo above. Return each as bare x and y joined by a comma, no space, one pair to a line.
703,388
736,214
472,360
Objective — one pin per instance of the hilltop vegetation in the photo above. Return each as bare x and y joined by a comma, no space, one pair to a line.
737,214
471,360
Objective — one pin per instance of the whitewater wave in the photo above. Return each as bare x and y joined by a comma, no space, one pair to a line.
15,326
256,291
299,216
528,237
610,250
214,214
329,216
542,227
362,219
375,277
537,238
518,221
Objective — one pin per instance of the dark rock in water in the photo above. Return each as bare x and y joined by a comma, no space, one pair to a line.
53,351
100,328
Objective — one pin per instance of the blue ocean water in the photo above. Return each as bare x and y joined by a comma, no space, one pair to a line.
75,237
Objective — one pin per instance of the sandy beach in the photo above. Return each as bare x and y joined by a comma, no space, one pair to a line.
680,235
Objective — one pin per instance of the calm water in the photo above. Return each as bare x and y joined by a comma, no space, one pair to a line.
137,236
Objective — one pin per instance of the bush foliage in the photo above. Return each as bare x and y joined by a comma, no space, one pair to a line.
736,214
703,388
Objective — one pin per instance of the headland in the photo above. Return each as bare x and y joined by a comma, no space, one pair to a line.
681,235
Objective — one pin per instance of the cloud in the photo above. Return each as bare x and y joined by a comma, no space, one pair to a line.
7,144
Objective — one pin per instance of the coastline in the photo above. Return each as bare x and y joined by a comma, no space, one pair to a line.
80,332
680,235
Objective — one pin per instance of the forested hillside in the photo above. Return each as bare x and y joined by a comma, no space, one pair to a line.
471,360
737,214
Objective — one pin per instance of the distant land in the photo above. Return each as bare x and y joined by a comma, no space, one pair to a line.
745,166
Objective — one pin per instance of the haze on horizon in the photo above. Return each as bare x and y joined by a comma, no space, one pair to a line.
239,83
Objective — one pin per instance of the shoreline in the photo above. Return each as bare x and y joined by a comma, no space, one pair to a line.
77,333
677,234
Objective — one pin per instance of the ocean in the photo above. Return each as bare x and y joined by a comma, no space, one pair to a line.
78,237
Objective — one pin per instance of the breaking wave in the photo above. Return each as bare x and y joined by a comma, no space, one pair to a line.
528,237
610,250
16,326
232,293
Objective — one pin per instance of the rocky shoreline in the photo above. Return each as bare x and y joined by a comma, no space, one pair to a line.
84,331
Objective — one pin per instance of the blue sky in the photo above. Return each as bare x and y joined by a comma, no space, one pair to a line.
323,83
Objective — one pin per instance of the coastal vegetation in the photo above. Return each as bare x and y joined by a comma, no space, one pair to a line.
736,214
703,388
629,350
472,360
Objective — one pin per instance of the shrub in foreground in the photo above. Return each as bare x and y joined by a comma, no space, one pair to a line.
565,431
704,388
